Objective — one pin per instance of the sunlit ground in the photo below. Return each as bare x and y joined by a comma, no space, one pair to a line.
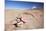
33,18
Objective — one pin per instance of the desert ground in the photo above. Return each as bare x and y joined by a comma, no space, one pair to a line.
34,19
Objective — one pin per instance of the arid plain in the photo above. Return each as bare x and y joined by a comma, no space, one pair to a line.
34,19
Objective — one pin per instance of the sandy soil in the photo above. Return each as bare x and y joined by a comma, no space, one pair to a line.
33,19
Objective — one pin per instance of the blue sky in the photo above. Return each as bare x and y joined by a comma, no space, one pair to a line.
22,5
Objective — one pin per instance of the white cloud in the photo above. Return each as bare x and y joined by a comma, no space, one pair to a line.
34,7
